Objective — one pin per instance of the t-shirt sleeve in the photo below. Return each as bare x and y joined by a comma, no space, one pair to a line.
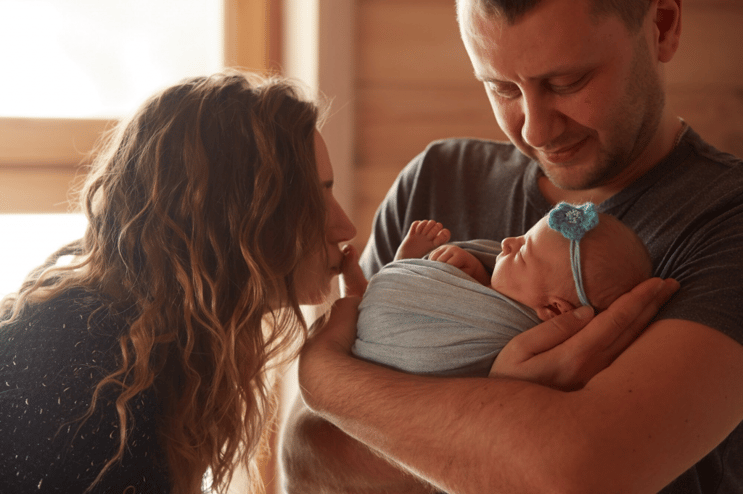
708,264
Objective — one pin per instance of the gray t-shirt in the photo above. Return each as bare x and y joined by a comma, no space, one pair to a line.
688,210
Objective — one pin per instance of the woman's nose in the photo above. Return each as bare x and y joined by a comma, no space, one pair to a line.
340,228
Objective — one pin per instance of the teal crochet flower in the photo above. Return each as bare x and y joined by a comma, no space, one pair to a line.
573,221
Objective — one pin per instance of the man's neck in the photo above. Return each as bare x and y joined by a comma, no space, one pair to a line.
666,140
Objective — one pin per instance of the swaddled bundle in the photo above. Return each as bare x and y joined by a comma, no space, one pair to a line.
427,317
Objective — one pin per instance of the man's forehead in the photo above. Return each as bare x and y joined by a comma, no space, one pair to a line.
508,10
557,38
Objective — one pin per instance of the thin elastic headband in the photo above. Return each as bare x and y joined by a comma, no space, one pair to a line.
573,222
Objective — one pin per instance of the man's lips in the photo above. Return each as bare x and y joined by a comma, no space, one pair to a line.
564,154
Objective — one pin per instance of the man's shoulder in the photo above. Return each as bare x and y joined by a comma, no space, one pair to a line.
708,161
466,147
709,176
467,157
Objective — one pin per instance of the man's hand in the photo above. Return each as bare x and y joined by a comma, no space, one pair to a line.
567,351
353,281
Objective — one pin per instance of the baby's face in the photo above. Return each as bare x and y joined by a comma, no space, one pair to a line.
533,265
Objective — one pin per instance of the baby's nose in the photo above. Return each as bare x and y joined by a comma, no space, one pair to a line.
507,245
510,244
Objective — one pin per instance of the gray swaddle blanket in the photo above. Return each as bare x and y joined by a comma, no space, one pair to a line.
428,317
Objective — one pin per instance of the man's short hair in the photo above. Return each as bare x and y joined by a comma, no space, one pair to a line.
631,12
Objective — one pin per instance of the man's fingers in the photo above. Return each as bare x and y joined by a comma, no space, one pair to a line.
566,351
630,319
553,332
353,281
339,329
631,313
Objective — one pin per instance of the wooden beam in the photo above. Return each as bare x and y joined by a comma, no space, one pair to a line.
252,34
49,141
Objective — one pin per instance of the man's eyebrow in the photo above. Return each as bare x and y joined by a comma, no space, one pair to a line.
556,72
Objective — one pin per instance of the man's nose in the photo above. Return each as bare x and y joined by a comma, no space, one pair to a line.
542,124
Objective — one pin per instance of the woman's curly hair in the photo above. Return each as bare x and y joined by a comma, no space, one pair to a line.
201,208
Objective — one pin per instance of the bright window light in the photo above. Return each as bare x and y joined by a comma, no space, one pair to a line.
101,58
29,240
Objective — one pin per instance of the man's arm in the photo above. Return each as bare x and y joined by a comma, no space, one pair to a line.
316,456
661,406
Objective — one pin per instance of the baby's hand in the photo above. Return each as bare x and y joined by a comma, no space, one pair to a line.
460,258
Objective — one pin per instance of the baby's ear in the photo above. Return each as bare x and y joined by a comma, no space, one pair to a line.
554,307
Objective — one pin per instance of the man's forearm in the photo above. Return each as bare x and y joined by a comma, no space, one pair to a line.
447,449
624,432
316,456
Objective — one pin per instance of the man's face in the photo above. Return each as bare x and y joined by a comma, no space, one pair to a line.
579,94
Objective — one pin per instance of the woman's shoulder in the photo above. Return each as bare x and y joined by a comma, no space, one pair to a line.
51,359
75,328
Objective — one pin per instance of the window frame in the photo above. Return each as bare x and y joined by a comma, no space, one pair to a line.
42,159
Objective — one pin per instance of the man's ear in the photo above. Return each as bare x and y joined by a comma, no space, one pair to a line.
554,307
667,18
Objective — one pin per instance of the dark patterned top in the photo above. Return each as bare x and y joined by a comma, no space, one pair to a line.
51,359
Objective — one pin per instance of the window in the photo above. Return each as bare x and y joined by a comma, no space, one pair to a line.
76,66
79,64
101,58
34,237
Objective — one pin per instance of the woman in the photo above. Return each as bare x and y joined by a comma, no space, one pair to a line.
141,365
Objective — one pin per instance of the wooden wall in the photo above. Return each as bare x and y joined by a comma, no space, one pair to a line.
415,84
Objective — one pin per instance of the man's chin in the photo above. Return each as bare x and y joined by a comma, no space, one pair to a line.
565,178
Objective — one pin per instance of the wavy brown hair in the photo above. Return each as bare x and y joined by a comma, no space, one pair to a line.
201,208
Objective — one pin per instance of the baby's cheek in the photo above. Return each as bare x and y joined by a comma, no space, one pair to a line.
494,278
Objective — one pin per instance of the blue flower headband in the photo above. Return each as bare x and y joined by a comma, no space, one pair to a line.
573,222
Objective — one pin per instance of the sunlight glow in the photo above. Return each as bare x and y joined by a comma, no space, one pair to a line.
29,240
101,58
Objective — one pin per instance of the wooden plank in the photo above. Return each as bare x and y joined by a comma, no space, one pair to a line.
48,142
245,34
403,42
38,189
711,49
715,115
711,4
395,124
372,185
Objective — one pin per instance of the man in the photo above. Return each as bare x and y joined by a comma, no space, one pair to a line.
577,85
